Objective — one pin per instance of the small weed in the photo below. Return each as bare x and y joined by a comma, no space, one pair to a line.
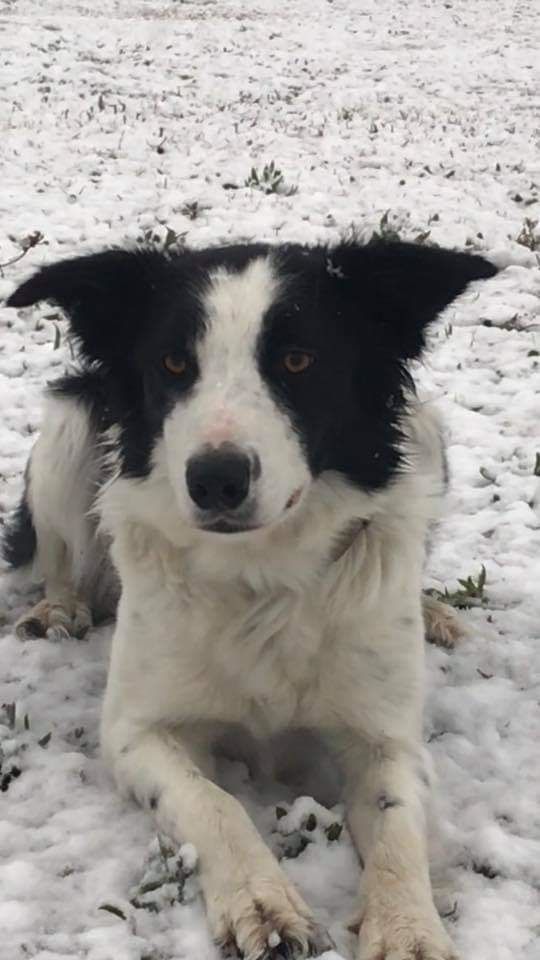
110,908
385,230
269,180
8,775
487,475
191,210
9,766
25,244
291,840
536,470
333,832
297,845
10,713
528,235
167,239
470,594
165,878
452,913
485,870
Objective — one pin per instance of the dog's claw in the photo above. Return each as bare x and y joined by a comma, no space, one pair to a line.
287,949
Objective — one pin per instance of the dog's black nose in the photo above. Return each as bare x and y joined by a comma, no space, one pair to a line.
218,480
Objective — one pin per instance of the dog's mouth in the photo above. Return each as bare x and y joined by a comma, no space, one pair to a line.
231,523
226,525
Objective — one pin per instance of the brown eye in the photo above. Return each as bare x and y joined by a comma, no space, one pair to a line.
175,365
296,361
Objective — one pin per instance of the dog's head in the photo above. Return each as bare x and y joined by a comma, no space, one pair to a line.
248,371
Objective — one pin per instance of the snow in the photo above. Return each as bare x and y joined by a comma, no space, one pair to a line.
131,118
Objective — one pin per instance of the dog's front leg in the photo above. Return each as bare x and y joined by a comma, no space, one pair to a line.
397,919
249,900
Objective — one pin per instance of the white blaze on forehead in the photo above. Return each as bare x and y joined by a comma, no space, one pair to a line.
231,402
234,305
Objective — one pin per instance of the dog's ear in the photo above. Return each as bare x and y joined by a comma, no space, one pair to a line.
106,297
403,286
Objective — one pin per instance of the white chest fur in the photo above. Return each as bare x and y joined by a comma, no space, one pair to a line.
268,656
274,632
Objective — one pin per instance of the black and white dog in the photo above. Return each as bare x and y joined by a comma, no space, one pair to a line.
243,440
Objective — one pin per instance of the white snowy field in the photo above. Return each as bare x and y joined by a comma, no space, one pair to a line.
140,118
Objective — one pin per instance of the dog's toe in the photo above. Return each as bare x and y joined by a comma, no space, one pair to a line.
56,621
266,920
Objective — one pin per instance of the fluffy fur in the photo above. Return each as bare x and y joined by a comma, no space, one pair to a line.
245,428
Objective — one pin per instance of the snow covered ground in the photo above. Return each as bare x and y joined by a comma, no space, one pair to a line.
126,119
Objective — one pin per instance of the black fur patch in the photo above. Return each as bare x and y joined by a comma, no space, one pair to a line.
362,311
19,536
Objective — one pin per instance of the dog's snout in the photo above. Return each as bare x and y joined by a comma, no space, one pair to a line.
219,480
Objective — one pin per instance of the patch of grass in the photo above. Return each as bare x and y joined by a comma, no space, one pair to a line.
471,592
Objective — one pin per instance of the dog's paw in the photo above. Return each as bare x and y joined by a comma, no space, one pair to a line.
57,621
265,919
443,625
395,934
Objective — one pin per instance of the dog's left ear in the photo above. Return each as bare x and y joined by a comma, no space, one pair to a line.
403,286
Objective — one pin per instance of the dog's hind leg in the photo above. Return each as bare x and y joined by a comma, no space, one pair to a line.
52,525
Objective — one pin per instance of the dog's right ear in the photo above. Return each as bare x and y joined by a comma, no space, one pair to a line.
106,297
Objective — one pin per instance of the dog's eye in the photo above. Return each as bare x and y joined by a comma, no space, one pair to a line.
175,365
296,361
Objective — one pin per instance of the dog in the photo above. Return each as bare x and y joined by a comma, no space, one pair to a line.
241,465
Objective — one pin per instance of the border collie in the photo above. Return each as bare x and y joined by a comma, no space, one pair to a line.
241,458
